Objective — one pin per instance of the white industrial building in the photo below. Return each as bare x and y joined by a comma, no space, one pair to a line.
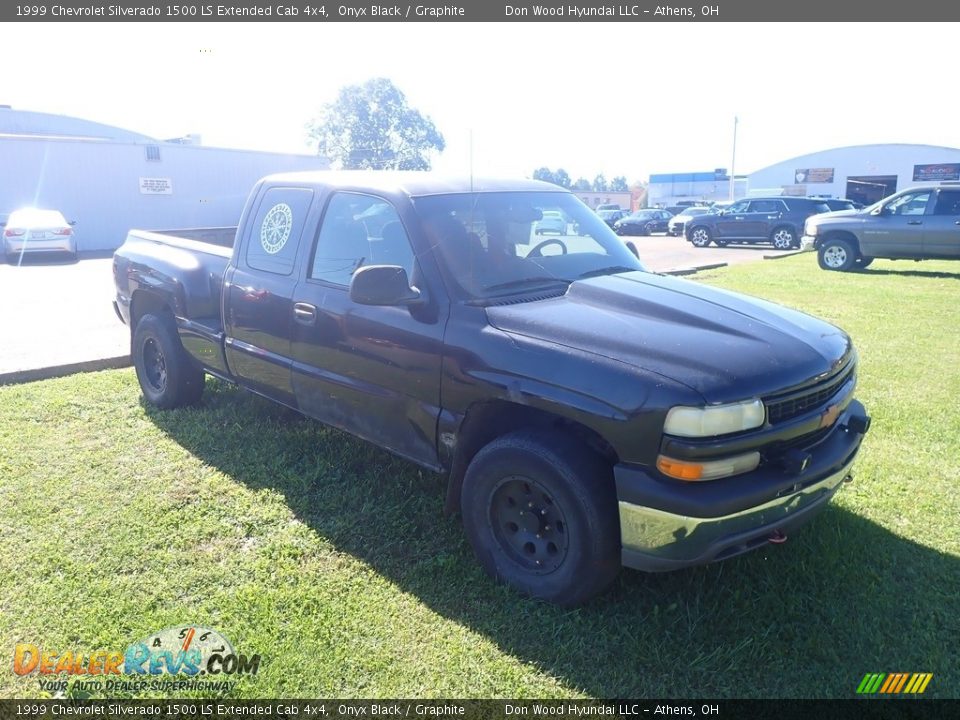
108,179
865,173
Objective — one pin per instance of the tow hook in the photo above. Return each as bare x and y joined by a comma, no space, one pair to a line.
859,424
777,537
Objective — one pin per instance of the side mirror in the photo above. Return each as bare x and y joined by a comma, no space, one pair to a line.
383,285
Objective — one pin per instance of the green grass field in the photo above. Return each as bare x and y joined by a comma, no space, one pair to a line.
334,561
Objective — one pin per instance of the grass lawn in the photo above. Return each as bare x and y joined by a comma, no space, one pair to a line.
334,561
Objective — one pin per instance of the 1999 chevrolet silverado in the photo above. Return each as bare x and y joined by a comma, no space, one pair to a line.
588,414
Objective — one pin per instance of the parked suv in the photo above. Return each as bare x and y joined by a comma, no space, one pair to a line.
915,224
777,220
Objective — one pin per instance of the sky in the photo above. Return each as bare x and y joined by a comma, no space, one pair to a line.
626,99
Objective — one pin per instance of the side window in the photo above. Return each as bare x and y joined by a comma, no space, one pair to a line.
948,203
277,226
910,204
765,206
738,207
359,230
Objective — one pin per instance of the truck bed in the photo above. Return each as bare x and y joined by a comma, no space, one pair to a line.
185,267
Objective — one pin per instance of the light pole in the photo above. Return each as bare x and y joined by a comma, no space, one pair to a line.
733,160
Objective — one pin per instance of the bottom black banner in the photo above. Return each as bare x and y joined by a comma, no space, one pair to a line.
892,708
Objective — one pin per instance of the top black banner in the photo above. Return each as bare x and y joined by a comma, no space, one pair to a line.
319,11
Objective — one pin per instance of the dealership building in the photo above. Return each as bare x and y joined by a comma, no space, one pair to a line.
109,180
865,173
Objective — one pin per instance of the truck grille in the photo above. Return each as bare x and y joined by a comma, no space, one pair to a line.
787,407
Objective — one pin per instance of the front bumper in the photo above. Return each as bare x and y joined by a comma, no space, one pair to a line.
807,243
686,529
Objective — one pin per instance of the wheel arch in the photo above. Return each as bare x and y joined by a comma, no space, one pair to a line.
840,235
486,421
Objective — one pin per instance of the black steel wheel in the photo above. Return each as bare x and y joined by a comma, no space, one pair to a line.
167,375
528,525
540,512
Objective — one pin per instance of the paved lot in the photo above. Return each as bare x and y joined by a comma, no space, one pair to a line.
662,253
55,313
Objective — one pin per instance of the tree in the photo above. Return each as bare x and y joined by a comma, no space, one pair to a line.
371,126
545,174
559,177
600,183
582,185
619,184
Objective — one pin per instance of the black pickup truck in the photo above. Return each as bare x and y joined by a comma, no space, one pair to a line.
588,414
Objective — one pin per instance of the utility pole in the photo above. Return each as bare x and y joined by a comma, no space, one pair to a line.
733,159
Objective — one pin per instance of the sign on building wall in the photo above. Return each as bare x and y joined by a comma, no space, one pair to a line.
943,171
156,186
814,175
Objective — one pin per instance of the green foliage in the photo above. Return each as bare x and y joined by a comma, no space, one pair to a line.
600,183
619,184
371,126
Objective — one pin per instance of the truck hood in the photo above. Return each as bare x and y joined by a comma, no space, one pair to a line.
837,216
726,346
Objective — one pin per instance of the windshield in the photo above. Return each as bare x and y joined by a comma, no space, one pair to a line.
496,244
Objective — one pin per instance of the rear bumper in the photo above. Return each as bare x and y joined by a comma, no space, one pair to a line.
15,246
668,524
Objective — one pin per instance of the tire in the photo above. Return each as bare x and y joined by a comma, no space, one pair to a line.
541,515
863,262
167,375
647,230
836,254
783,238
721,243
701,236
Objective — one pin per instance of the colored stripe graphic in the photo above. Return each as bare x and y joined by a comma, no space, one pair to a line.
894,683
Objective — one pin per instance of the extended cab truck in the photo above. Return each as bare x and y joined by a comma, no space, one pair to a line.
587,413
916,224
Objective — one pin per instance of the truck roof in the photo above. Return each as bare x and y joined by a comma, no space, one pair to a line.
411,183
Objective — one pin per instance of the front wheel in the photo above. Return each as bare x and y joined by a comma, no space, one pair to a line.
863,262
540,512
166,373
783,238
700,237
835,254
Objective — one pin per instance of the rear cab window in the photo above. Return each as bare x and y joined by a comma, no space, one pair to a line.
276,229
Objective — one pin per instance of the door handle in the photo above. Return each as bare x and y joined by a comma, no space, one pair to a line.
304,313
914,222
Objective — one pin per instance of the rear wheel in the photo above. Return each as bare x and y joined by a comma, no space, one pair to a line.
783,238
540,512
836,254
167,375
700,237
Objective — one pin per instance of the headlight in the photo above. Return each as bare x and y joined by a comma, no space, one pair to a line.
714,419
810,229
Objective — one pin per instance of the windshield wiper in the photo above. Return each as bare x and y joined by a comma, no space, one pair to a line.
520,282
612,270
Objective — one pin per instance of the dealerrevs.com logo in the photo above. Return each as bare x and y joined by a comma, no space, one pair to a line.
189,651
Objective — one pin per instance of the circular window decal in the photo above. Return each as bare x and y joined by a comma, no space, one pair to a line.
275,230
